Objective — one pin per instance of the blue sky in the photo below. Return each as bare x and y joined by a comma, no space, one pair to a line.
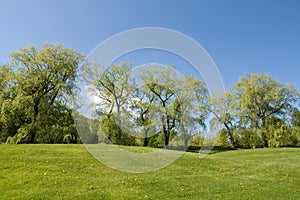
240,36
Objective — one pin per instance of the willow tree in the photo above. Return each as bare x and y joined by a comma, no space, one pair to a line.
7,128
296,118
192,109
43,76
113,87
144,109
259,97
221,106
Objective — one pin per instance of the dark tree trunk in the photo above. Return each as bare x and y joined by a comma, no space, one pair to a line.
265,141
230,136
32,131
231,139
263,134
146,142
167,137
165,133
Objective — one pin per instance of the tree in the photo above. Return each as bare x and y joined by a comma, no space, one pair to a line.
114,89
12,109
5,78
178,101
4,73
55,124
87,128
191,110
259,97
296,118
221,106
281,134
162,83
143,106
44,76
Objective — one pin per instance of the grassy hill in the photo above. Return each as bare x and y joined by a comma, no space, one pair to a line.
70,172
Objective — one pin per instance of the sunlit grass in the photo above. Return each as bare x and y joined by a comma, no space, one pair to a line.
70,172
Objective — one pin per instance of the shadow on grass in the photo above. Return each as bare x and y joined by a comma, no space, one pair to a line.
196,149
214,150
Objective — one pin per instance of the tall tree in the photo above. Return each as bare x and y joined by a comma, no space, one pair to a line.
221,106
44,75
296,118
162,83
5,77
114,88
7,93
143,107
259,97
191,110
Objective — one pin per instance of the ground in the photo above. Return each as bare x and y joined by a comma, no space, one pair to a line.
70,172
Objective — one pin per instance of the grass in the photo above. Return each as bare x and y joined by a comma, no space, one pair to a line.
70,172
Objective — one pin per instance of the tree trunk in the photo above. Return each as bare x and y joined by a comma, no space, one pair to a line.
185,137
146,138
263,135
265,141
186,141
230,136
165,133
32,131
231,139
166,137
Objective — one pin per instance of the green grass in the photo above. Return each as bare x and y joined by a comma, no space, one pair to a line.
70,172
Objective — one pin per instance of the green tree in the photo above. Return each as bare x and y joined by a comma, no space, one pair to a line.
44,76
6,74
296,118
88,129
281,133
12,113
143,107
222,139
222,107
55,124
162,83
259,97
177,103
192,107
114,88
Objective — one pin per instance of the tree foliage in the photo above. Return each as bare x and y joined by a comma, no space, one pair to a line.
42,84
259,99
154,106
222,107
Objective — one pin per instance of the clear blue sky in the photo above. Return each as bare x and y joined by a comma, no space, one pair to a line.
241,36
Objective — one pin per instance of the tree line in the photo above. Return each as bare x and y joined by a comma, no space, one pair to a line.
148,106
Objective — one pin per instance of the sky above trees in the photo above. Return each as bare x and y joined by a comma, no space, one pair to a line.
240,36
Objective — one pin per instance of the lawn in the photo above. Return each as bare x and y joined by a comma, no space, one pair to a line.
70,172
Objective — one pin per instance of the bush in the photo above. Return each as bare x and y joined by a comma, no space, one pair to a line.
222,139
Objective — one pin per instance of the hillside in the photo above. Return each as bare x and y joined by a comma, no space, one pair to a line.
70,172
